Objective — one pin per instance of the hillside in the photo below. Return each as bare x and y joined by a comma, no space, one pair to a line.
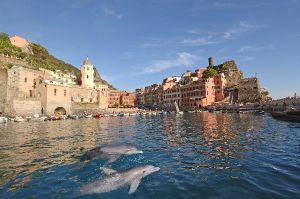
36,57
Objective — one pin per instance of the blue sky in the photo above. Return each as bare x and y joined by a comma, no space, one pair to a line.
135,43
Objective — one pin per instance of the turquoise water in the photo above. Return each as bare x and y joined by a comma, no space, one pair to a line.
201,155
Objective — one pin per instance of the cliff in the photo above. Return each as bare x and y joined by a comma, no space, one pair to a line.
232,73
35,56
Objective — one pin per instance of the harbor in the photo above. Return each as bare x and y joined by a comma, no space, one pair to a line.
195,151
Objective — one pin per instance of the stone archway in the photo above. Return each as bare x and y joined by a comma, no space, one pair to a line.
60,111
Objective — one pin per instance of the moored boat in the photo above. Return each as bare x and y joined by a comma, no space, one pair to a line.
295,110
285,116
19,119
89,116
98,116
3,120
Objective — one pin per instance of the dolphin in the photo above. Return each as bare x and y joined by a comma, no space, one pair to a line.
114,180
109,153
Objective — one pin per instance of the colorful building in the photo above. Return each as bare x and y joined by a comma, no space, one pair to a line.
29,91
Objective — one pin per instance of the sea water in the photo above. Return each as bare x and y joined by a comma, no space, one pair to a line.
201,155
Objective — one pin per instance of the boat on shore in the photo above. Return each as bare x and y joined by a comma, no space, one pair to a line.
19,119
3,120
285,116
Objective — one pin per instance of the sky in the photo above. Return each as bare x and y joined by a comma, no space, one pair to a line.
135,43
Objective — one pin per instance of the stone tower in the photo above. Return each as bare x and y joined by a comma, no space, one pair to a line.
211,61
87,74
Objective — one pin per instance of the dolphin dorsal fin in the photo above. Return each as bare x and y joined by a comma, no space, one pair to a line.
108,171
134,185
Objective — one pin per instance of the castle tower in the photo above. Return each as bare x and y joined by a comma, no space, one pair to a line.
87,74
210,61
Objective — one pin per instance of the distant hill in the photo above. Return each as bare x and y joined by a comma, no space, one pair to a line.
37,56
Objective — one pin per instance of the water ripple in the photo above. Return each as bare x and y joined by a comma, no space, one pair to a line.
200,155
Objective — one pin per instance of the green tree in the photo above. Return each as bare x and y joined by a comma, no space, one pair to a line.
210,72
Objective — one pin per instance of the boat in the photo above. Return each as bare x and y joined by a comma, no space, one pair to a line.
177,109
285,116
19,119
120,114
295,110
63,117
89,116
258,112
74,117
3,120
98,116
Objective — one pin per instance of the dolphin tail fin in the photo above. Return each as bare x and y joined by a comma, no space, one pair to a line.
108,171
134,185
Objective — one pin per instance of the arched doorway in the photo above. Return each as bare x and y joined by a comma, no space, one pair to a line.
60,111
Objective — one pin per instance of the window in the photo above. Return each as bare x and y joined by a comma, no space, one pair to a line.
87,76
91,99
30,93
81,99
55,91
65,92
87,68
25,80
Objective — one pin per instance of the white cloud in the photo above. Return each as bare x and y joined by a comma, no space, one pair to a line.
224,4
206,37
183,59
241,27
199,41
111,12
254,48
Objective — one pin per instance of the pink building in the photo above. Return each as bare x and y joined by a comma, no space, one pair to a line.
19,41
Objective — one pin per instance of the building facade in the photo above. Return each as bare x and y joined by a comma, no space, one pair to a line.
45,93
121,99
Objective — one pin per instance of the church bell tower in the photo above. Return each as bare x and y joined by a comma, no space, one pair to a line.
87,74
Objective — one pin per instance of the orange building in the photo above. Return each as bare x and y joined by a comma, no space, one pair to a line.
121,99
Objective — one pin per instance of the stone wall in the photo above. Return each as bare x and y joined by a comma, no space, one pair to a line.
4,61
78,108
284,102
3,89
26,107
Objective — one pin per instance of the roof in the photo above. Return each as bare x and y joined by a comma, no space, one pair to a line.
87,62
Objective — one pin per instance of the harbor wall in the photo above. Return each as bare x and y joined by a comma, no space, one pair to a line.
3,89
26,107
78,108
118,110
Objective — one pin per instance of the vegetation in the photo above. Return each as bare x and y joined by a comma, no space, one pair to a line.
7,48
210,72
38,57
